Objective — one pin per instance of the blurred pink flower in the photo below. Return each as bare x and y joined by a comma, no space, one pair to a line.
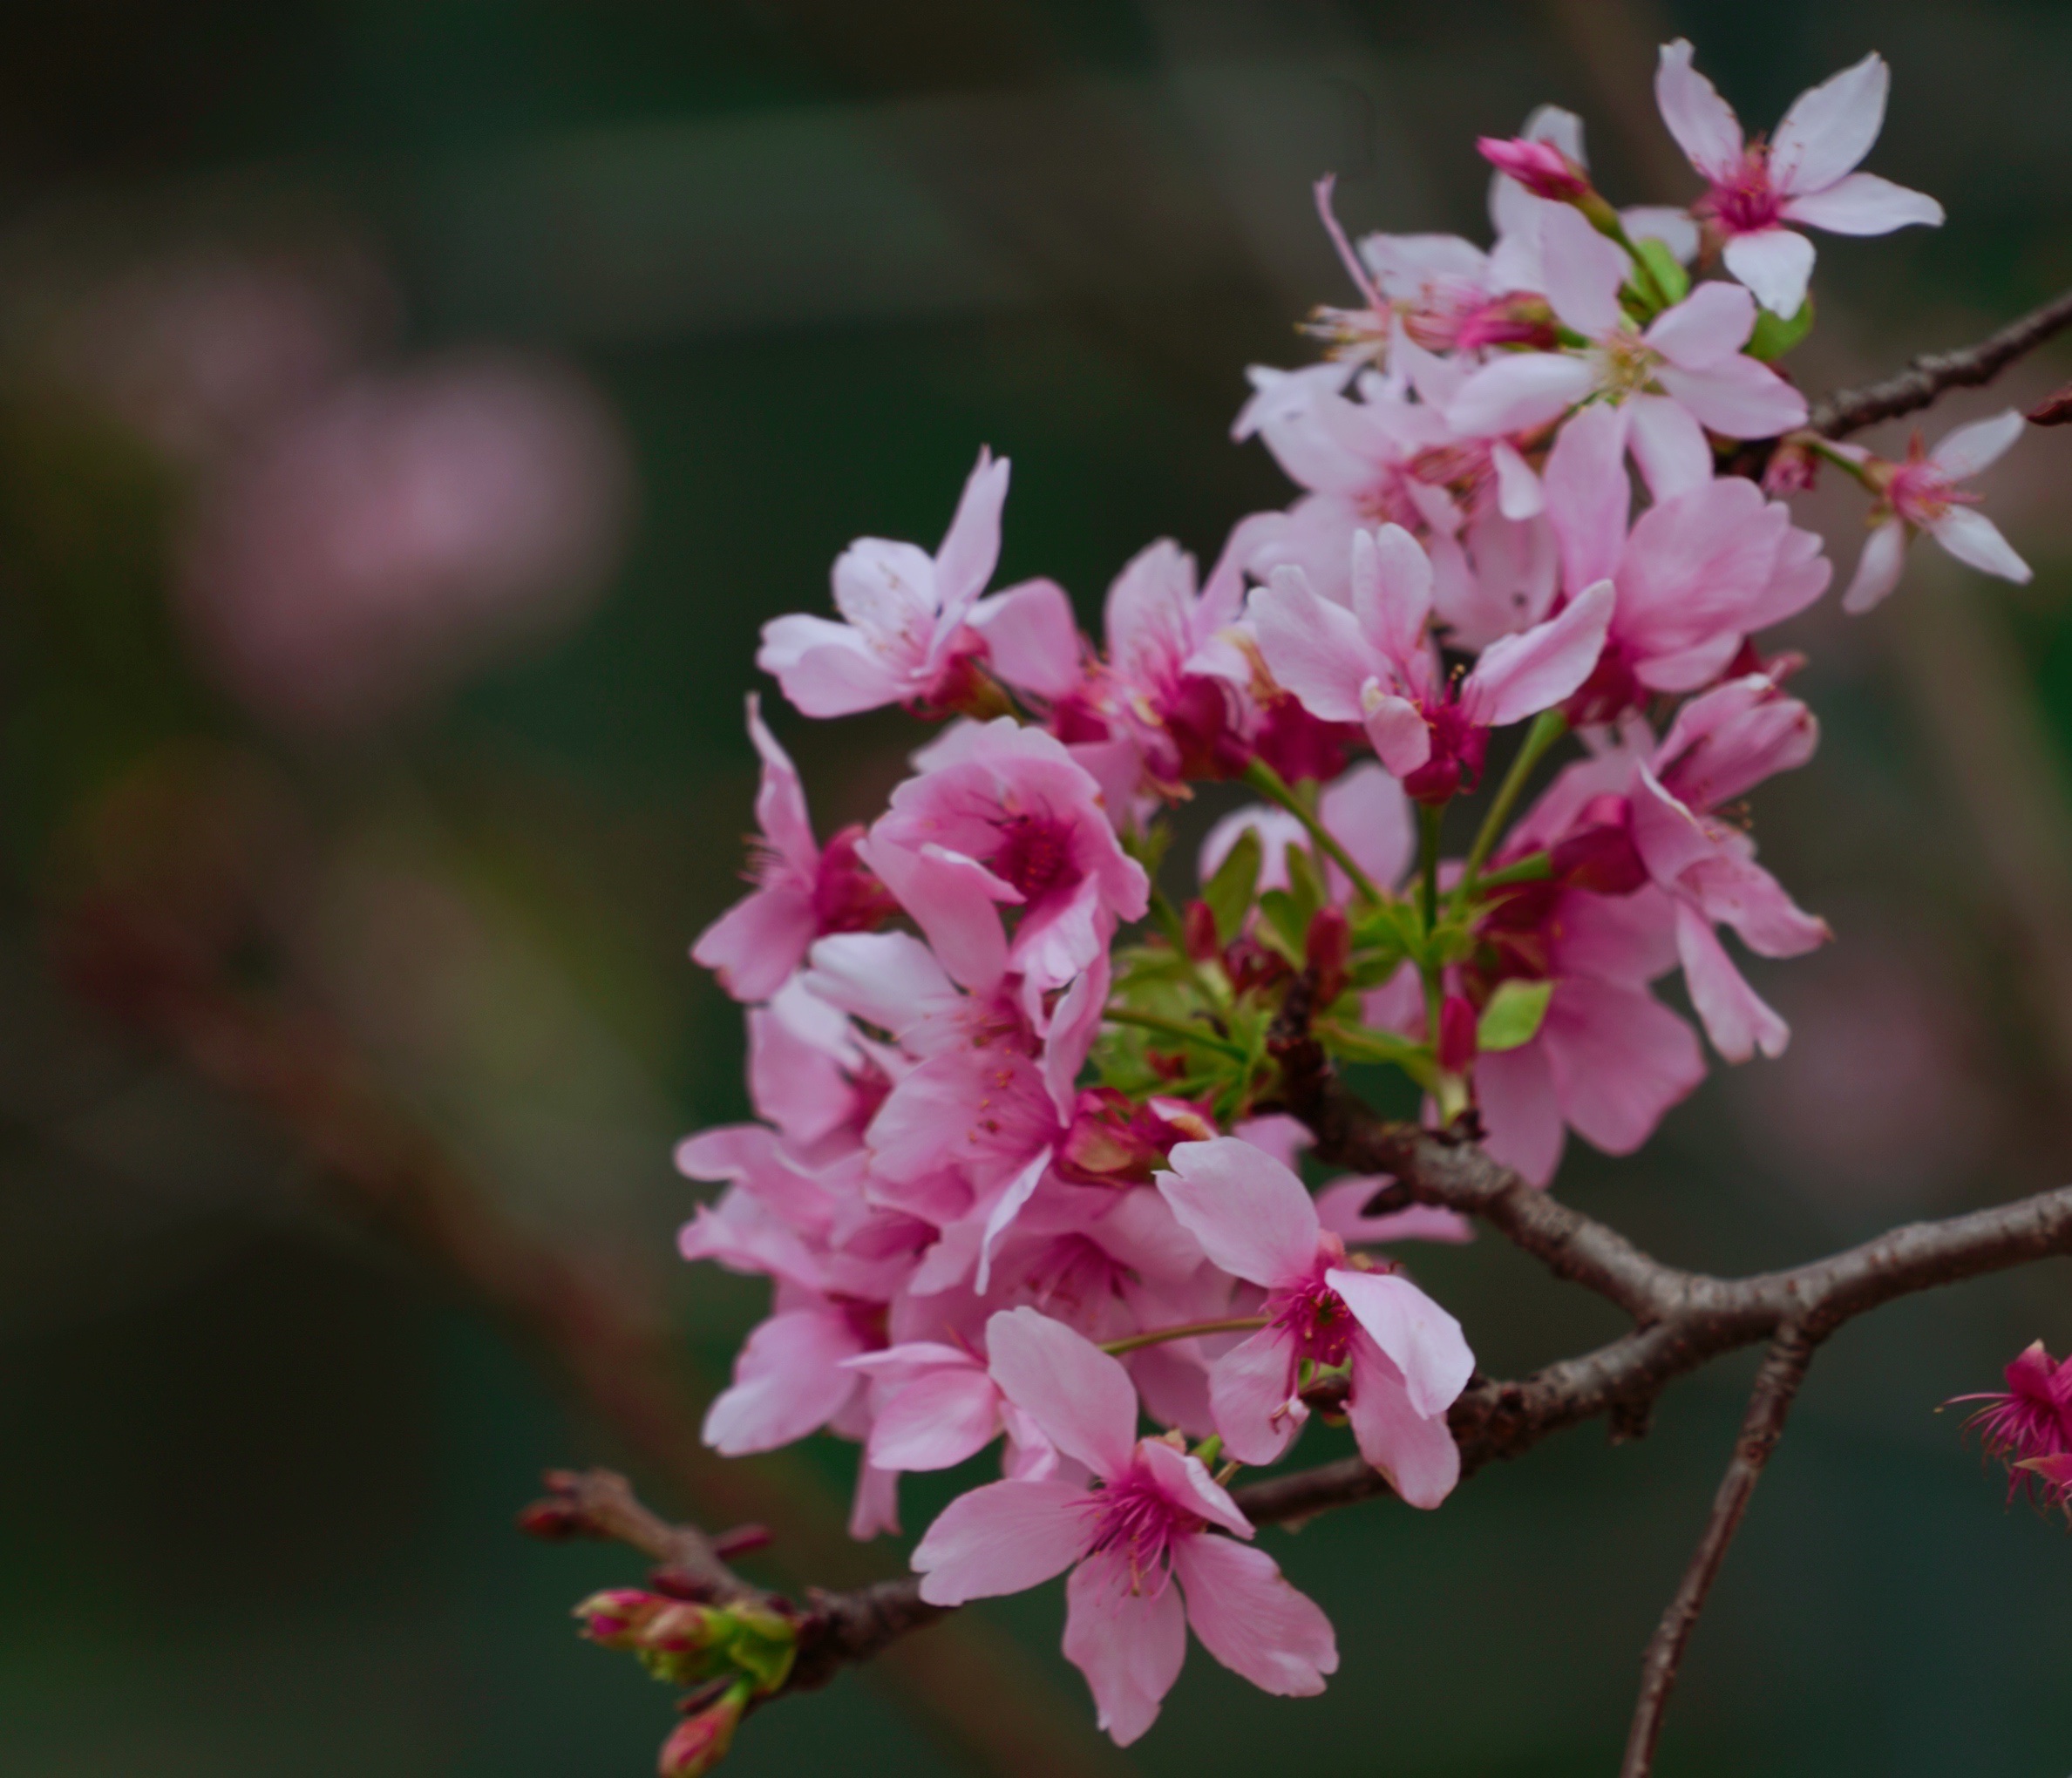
399,531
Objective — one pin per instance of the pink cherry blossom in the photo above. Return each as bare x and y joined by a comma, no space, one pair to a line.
1408,1360
1003,816
802,890
1695,574
1147,1558
2028,1425
1922,493
904,637
933,1406
1376,664
1805,175
1686,370
1721,745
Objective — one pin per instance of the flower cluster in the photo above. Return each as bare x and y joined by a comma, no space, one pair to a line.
1021,1172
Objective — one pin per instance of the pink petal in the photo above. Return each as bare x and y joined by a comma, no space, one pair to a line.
1877,569
1583,271
1830,127
1250,1391
890,979
826,668
1737,892
1518,677
1589,494
1079,1397
1340,1208
1975,540
1002,1215
936,1420
1129,1642
875,1507
780,799
1514,1091
1421,1339
1736,1018
1712,323
1619,1059
1314,649
1415,1453
1391,592
1250,1213
1518,493
971,546
1032,638
1738,396
1371,815
1669,446
1246,1614
1865,203
1703,122
1961,452
1519,390
1776,264
788,1382
757,943
1004,1537
1398,733
1184,1480
951,898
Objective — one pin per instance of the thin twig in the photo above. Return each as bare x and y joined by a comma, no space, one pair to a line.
1776,1384
1906,391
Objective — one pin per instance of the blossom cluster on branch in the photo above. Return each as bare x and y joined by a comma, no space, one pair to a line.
1024,1172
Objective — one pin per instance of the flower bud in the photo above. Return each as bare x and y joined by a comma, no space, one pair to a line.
1328,948
1198,928
700,1741
1114,1142
617,1617
1457,1035
1543,169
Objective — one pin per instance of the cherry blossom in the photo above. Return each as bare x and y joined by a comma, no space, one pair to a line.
1153,1549
1922,493
1806,174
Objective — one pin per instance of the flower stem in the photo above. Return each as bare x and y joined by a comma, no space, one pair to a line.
1186,1330
1270,784
1548,726
1176,1028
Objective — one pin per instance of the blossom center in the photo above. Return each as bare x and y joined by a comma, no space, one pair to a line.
1035,855
1134,1517
1745,201
1625,364
1315,1318
1920,493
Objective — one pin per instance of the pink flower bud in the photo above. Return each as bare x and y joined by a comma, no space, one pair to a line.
617,1617
1328,948
700,1742
1543,169
1199,926
1114,1142
1457,1035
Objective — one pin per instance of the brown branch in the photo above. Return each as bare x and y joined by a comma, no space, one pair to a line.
1770,1402
1904,392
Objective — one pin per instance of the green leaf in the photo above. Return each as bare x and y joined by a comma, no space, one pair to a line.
1361,1044
1284,925
1306,883
1229,892
1670,278
1512,1016
1775,335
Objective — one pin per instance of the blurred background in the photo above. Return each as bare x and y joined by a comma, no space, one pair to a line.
409,411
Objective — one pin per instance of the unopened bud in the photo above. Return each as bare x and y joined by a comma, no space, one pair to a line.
1457,1035
617,1617
1198,928
1791,469
1327,949
553,1520
2054,410
700,1741
1543,169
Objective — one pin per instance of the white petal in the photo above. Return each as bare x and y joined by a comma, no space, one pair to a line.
1703,122
1974,540
1583,271
1662,222
1863,204
1669,445
1877,569
1830,127
1525,388
1776,264
1962,452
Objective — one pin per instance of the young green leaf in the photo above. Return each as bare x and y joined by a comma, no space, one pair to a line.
1229,892
1512,1016
1775,335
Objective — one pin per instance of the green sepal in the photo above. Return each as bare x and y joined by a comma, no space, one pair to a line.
1670,279
1776,334
1229,892
763,1645
1512,1016
1284,925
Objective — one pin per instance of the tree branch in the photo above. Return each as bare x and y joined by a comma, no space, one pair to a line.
1848,411
1776,1385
